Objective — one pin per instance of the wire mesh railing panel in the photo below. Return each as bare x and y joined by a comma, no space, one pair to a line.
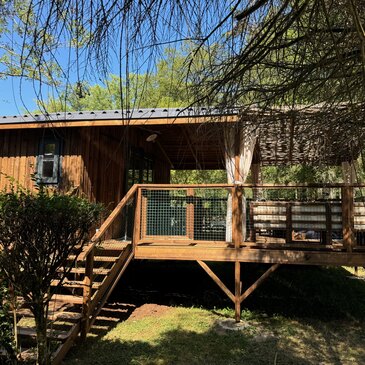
164,213
193,214
210,214
298,215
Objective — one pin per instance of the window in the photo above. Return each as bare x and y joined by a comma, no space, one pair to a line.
48,161
140,168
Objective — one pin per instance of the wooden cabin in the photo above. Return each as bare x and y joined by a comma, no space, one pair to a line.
124,158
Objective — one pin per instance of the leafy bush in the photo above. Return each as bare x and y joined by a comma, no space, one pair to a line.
38,231
6,322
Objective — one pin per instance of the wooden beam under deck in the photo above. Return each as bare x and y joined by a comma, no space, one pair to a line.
224,253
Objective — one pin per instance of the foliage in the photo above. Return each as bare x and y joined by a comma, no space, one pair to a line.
198,177
18,33
6,323
288,53
38,231
265,51
167,86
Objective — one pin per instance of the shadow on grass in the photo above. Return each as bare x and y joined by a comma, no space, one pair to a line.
294,291
111,314
296,317
184,347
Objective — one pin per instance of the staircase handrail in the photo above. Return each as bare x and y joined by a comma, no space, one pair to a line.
107,223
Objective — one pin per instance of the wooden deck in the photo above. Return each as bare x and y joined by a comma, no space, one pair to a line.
181,223
226,253
208,223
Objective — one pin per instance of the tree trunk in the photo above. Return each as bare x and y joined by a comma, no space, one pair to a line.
43,356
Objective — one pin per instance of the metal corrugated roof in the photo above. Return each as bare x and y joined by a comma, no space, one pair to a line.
118,114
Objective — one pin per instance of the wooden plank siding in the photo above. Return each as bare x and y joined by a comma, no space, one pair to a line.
17,158
93,160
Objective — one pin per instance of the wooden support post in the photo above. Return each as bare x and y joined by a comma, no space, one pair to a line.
347,200
256,179
347,197
237,212
289,225
348,172
137,217
237,216
237,226
190,213
237,291
258,282
237,158
88,282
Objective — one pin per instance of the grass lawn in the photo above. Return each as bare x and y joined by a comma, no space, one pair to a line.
301,315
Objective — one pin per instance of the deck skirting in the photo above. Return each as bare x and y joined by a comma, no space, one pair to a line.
245,254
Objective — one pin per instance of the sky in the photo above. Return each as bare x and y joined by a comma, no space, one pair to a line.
13,102
18,96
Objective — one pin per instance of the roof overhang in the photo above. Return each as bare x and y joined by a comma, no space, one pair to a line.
158,116
311,135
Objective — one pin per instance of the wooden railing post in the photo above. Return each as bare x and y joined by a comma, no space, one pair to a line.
237,237
237,216
190,213
347,200
87,291
138,219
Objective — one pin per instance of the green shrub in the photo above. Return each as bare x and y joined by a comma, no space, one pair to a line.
38,231
6,321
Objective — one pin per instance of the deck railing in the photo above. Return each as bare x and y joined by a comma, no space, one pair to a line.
316,214
111,228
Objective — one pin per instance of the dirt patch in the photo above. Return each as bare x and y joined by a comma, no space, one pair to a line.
149,310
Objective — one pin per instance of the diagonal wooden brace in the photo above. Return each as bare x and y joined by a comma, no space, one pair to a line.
216,280
258,282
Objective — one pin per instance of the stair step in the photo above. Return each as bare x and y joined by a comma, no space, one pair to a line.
97,258
107,319
74,316
58,315
105,258
72,299
81,270
74,284
54,335
113,245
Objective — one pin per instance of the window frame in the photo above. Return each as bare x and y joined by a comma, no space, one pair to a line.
55,158
142,164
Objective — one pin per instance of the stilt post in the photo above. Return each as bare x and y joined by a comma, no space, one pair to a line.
237,291
347,199
237,222
88,282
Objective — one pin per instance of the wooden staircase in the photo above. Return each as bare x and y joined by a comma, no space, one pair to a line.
77,301
79,298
